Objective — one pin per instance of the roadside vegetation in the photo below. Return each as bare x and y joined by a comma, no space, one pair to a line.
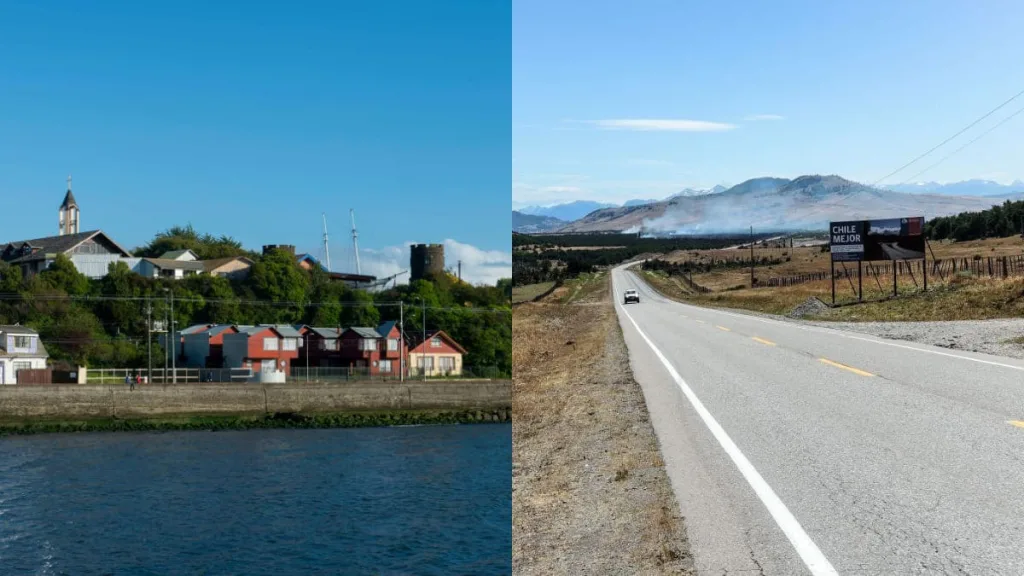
589,488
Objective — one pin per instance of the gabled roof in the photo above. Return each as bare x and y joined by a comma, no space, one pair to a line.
326,332
59,245
363,332
286,330
195,329
211,265
311,259
167,264
16,329
416,339
175,254
385,328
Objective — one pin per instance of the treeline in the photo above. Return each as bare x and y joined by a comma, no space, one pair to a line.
996,222
103,323
680,268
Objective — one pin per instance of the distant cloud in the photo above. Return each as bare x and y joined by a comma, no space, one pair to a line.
760,117
561,189
478,266
662,125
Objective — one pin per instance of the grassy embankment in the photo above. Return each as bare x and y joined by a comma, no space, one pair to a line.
214,423
956,297
589,489
529,292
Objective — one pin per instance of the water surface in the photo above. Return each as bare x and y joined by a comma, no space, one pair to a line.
409,500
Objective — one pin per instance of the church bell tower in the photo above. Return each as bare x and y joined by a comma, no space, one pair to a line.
69,213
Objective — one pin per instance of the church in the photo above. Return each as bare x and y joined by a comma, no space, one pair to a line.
91,251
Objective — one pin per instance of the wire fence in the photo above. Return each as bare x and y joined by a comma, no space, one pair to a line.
297,375
942,268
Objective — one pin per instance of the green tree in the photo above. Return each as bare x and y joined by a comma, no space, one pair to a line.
278,280
63,275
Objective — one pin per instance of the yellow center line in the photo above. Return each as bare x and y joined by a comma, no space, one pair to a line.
723,328
845,367
1016,423
763,341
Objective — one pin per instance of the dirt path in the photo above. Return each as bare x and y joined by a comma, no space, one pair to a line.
589,491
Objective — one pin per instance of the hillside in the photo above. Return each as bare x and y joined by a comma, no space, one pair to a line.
528,223
807,202
566,212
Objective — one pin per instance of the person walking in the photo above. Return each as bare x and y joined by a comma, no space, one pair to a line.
129,381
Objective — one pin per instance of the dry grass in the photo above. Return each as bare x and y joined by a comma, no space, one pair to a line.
808,260
960,298
589,489
530,291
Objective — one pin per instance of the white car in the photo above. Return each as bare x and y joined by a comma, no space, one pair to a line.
631,296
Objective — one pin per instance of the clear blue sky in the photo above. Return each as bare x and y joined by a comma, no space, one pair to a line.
859,88
252,118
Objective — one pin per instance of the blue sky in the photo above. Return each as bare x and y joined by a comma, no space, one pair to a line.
778,88
252,118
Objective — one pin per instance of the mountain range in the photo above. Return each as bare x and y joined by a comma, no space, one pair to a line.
779,204
531,224
578,209
965,188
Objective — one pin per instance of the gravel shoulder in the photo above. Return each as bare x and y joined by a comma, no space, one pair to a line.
590,494
986,336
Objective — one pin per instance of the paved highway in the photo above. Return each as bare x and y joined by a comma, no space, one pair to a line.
805,450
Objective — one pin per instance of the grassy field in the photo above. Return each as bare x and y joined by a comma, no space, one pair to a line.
962,298
811,259
530,291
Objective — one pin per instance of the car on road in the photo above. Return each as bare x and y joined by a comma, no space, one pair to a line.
631,296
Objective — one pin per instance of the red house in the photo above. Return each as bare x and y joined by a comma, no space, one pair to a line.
376,352
262,348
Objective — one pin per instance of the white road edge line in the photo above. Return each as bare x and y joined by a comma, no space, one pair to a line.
805,547
840,333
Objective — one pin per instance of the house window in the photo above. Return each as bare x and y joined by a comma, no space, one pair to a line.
329,344
392,344
446,363
22,366
385,366
270,343
368,344
290,344
435,342
23,342
427,361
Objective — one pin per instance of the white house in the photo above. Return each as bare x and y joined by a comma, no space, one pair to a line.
20,348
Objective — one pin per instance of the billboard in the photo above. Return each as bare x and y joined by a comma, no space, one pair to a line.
870,240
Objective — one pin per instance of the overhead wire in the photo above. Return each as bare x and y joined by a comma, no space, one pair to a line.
947,140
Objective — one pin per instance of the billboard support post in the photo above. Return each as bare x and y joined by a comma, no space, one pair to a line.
833,282
924,272
894,288
860,282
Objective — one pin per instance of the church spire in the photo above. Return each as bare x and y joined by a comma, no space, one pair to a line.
69,213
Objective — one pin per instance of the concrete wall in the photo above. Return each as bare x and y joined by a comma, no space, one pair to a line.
72,402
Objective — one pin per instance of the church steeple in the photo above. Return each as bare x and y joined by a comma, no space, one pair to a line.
69,213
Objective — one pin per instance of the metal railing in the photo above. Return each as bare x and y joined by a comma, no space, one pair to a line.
168,376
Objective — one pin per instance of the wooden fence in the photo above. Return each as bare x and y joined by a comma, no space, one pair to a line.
991,266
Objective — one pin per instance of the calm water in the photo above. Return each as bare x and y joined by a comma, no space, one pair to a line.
416,500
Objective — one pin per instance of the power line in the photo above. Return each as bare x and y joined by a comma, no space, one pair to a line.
946,141
11,296
979,137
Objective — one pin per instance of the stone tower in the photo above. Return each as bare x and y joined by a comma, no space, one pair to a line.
69,213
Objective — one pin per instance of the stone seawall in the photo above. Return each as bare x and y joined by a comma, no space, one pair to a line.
84,402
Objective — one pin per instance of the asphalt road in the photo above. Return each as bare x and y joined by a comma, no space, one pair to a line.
895,252
806,450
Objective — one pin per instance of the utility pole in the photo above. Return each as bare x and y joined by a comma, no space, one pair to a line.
149,340
174,343
423,354
460,270
401,343
327,246
306,345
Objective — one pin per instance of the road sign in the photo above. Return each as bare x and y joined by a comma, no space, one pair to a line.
871,240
